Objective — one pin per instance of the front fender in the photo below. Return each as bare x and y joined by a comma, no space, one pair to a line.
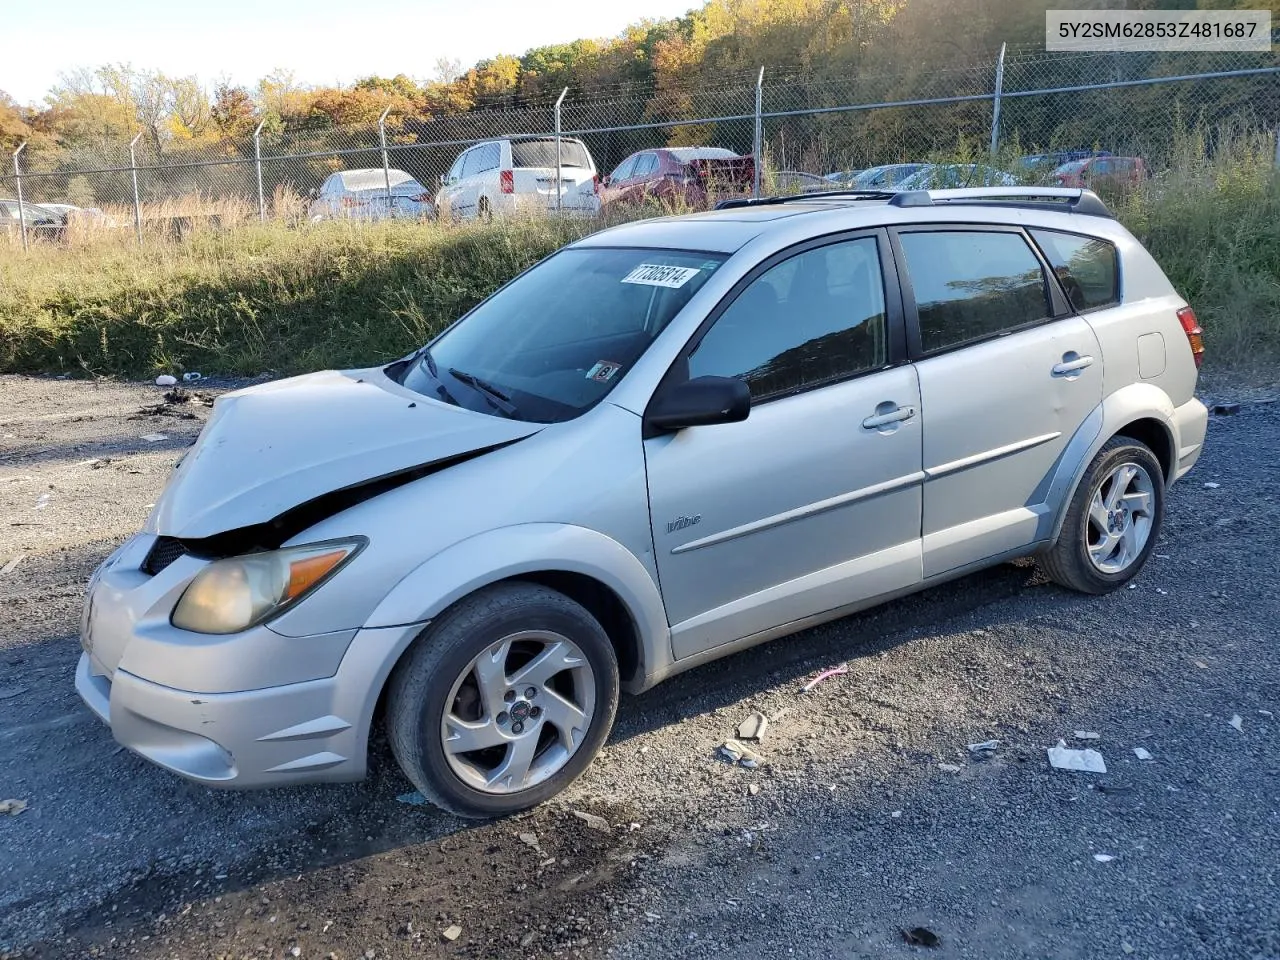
509,552
1138,401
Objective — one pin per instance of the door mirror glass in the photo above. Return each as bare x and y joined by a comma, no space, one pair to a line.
700,402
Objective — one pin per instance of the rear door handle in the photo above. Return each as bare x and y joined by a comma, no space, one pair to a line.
1071,366
892,416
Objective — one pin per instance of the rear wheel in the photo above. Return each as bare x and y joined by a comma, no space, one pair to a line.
1113,520
504,701
483,210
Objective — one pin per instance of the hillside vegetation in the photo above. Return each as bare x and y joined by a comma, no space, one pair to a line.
270,297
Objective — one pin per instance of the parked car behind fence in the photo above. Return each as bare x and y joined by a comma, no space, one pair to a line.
690,176
363,195
1102,172
518,174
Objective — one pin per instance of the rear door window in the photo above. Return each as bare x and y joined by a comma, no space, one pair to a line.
490,158
646,163
625,169
1087,267
970,285
542,153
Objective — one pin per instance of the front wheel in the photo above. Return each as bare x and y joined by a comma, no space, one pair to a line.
504,701
1112,522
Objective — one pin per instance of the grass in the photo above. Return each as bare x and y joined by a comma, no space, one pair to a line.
289,298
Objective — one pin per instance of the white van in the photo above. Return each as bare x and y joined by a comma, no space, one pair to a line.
519,175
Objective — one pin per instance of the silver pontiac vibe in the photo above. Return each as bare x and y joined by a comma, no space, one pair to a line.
664,443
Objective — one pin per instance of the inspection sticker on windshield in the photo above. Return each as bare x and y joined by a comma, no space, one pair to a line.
604,371
658,275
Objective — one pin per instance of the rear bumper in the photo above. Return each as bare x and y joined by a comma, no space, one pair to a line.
312,731
1191,422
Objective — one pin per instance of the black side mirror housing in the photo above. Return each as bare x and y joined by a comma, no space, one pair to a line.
700,402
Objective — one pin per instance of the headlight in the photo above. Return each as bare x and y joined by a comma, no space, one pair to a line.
234,594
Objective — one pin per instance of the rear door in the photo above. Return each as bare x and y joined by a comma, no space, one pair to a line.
812,503
1008,374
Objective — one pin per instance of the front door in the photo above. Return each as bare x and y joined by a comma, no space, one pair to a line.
1007,376
813,502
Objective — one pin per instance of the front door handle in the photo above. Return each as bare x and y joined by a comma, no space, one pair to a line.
1068,367
896,415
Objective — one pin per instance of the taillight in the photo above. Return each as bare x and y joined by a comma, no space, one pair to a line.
422,198
349,201
507,181
1195,335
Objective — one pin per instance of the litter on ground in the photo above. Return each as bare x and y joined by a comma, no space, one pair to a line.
833,672
754,727
154,437
1087,735
592,821
1103,857
165,380
732,751
452,933
1142,753
12,807
1084,761
1238,722
414,799
984,748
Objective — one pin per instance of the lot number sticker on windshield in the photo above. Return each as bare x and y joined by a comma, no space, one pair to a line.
658,275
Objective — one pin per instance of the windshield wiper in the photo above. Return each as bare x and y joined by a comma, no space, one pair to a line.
496,397
424,356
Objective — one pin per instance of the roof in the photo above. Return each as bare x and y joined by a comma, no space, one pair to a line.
813,215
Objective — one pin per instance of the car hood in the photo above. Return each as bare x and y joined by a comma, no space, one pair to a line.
272,447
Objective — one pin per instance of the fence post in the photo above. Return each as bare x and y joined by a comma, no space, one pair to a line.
257,162
386,163
757,141
995,109
1278,148
137,200
22,209
559,185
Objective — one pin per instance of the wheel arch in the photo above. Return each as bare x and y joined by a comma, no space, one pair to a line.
1142,412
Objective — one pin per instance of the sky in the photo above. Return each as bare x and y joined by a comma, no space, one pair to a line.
321,41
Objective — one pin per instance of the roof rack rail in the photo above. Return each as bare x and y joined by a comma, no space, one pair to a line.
736,202
1070,199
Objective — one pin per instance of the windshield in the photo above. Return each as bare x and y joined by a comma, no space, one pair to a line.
557,339
542,153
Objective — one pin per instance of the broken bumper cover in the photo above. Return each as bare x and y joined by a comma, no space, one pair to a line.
313,731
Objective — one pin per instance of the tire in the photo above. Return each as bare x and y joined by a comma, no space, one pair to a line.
457,682
1091,554
483,211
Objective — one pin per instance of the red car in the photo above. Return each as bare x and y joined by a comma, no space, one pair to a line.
1101,172
691,175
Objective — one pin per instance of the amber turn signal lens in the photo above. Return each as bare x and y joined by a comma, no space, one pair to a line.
305,573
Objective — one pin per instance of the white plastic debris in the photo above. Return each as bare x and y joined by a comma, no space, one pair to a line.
733,751
154,437
1142,753
1238,722
1212,486
1103,857
1087,735
1084,761
949,767
452,933
1266,713
985,747
43,501
192,377
9,567
164,380
530,840
593,821
12,807
754,727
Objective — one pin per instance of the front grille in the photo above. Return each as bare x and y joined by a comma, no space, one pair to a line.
163,552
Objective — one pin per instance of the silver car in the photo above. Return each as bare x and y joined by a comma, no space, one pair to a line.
663,444
371,194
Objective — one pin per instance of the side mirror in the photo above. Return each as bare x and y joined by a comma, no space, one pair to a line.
699,402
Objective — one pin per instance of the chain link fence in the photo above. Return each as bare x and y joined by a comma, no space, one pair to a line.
797,126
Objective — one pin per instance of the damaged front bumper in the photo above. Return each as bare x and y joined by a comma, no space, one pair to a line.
254,709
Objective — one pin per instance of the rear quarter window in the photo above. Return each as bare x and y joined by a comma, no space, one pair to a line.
1087,267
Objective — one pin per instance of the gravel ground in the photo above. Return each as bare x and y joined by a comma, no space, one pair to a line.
849,832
